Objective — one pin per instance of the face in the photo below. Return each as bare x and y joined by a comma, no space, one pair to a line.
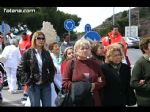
70,54
116,57
100,50
55,49
83,51
115,30
67,38
147,51
24,37
40,40
1,39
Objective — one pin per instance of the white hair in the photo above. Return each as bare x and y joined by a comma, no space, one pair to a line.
81,42
14,42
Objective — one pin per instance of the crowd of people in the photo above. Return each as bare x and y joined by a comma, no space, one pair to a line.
101,73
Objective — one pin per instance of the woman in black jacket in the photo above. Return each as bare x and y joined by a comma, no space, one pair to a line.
117,75
37,71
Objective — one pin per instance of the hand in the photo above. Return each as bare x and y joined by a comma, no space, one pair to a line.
93,86
141,82
99,79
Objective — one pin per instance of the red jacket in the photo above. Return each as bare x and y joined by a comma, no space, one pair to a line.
24,44
110,39
62,67
85,70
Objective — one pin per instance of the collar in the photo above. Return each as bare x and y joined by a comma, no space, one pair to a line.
116,66
146,57
36,50
65,42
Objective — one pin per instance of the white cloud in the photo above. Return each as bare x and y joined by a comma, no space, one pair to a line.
91,15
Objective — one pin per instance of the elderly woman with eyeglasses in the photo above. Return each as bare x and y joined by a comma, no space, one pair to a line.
37,69
117,75
86,79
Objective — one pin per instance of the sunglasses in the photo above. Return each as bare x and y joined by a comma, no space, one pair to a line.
40,38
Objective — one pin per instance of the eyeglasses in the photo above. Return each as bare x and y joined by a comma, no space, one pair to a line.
40,38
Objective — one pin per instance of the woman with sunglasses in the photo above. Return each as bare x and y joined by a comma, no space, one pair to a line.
37,70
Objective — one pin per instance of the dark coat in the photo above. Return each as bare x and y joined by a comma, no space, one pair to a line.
115,93
29,71
80,93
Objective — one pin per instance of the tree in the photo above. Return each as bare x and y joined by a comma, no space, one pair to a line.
34,19
122,23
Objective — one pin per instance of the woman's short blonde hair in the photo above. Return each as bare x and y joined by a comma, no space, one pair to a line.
35,35
110,50
81,42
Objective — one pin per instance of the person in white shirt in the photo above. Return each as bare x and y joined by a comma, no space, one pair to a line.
12,56
66,43
57,59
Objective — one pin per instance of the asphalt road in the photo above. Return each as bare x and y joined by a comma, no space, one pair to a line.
134,55
11,100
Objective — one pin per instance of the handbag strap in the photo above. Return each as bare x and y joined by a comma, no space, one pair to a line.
72,68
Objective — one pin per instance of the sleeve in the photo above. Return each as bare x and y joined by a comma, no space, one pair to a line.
131,98
19,55
22,73
137,75
62,68
105,41
5,53
66,79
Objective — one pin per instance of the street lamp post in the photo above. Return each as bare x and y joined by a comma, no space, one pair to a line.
139,18
129,22
113,15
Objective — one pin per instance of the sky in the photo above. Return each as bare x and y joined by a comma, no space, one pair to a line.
92,15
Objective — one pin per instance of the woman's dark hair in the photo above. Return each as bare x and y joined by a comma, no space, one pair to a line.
64,35
114,26
95,47
24,33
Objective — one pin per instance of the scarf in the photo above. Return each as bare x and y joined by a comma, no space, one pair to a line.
146,57
56,60
116,67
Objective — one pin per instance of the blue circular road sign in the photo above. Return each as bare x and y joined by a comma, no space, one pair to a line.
69,24
92,36
87,27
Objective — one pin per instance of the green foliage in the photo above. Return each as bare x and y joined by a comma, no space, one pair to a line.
105,30
122,23
34,19
124,14
142,12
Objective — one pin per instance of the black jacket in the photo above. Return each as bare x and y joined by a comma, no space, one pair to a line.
115,93
28,69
